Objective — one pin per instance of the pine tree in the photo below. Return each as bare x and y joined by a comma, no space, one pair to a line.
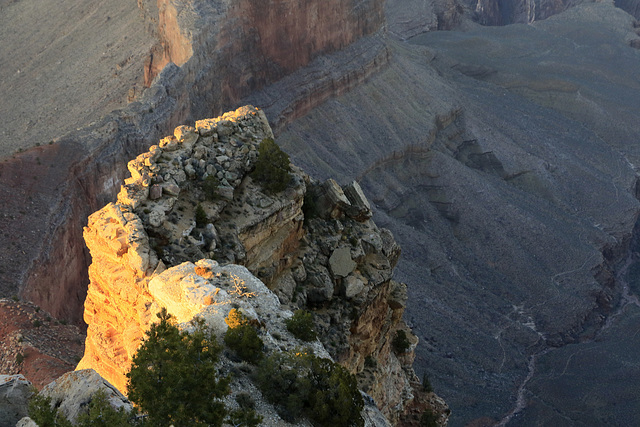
173,376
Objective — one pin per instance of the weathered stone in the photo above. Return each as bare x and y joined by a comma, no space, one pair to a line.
353,286
155,192
225,191
15,392
26,422
190,170
360,209
341,263
171,188
156,217
330,200
284,287
169,143
72,393
132,195
186,135
321,289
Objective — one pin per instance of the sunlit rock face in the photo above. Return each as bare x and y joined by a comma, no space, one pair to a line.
149,252
254,42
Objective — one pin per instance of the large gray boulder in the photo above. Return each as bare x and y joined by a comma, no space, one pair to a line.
73,392
15,391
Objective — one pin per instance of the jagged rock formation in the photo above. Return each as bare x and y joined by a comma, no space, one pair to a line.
339,265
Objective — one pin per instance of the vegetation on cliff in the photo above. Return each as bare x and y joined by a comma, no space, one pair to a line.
302,384
272,167
174,378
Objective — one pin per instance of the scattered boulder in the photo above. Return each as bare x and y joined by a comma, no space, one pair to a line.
15,391
359,208
26,422
331,200
341,263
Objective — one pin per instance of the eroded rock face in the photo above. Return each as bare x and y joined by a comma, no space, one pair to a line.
149,252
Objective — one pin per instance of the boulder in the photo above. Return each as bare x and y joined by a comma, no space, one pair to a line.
73,391
26,422
331,201
360,209
341,263
321,289
15,391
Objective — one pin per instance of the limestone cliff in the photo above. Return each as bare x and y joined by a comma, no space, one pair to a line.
313,244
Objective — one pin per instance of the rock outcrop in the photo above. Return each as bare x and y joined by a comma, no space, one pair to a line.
73,391
313,244
15,391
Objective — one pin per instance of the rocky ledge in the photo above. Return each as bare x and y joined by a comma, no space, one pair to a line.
193,232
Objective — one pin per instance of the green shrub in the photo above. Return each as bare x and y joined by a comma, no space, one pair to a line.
426,384
210,187
242,338
309,205
44,414
174,378
301,325
400,342
244,417
428,419
201,216
272,167
102,414
370,362
301,384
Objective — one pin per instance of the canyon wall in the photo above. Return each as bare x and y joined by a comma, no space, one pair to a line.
221,58
339,265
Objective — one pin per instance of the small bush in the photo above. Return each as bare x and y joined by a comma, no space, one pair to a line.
243,339
19,358
235,318
44,414
245,401
426,384
301,325
244,417
272,167
102,414
210,187
302,384
370,362
428,419
36,323
400,342
201,216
